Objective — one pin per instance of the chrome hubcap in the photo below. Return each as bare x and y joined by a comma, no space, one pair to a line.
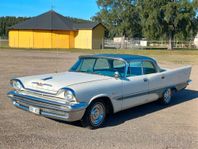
167,95
97,114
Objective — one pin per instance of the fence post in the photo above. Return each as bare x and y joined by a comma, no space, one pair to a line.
102,43
131,44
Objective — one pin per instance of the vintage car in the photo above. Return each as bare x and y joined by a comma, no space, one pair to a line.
98,85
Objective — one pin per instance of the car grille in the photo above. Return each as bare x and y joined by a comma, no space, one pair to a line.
42,95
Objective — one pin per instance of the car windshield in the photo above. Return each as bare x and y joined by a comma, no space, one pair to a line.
101,66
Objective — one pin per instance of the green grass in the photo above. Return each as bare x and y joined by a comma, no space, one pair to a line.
179,56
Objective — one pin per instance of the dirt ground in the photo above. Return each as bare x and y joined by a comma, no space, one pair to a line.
147,126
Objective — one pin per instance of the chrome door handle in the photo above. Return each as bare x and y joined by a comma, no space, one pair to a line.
163,77
145,79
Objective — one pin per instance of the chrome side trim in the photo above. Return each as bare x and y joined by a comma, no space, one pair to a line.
157,91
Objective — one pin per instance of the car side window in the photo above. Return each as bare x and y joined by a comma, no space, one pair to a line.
119,66
87,65
148,67
135,68
101,63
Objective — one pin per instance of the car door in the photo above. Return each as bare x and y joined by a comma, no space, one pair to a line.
156,80
135,86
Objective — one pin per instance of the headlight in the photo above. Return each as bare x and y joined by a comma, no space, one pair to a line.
16,84
67,94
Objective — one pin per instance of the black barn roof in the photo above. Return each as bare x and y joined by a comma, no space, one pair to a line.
52,21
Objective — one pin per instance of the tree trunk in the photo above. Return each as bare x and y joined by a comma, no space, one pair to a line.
170,41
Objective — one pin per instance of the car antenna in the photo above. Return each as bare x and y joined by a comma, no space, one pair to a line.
56,59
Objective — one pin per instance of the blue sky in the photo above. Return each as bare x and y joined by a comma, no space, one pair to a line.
75,8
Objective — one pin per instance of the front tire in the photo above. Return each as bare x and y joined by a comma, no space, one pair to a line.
95,115
166,97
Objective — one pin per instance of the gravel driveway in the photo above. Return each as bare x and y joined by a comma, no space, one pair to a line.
148,126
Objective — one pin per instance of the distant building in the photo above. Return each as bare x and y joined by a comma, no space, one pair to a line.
52,30
196,41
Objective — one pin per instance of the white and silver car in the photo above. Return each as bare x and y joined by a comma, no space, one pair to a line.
98,85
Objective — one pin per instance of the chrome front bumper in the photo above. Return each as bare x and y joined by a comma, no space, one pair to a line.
49,108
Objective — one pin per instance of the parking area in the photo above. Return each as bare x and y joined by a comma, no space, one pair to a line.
148,126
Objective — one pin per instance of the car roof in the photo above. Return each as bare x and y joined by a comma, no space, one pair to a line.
126,57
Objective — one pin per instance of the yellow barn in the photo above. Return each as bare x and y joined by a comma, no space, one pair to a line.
52,30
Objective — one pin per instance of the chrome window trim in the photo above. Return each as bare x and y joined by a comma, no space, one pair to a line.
135,61
105,57
153,63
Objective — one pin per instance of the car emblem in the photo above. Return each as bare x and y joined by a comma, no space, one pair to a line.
41,84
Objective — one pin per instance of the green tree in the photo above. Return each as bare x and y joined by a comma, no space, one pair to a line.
6,22
168,19
120,17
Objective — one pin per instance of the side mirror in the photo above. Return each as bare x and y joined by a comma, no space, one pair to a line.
116,75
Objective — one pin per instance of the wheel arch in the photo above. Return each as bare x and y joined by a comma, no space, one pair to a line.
106,100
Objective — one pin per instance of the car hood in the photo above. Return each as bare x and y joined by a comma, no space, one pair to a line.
51,83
